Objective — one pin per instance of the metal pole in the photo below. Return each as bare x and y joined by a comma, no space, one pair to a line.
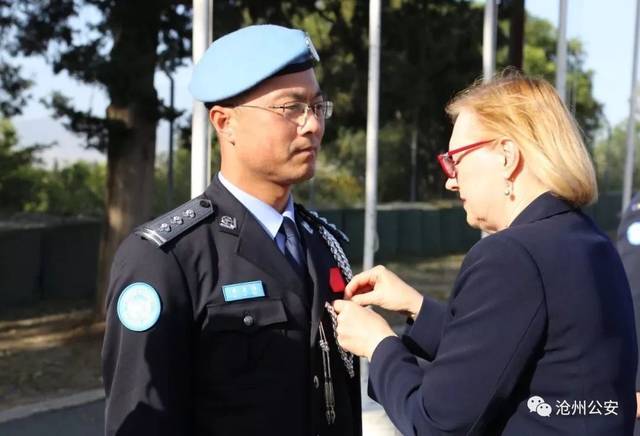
489,43
489,36
413,191
561,52
372,134
200,147
170,160
631,123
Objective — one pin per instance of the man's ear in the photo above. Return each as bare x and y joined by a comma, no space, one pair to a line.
221,119
511,158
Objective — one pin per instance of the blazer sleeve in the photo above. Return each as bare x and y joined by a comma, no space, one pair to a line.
497,320
423,335
147,373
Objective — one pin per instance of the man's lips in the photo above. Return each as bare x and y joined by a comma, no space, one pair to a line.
310,150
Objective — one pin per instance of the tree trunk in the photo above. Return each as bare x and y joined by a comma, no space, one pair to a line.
413,191
132,135
130,171
516,33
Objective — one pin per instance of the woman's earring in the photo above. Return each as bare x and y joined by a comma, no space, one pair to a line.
508,189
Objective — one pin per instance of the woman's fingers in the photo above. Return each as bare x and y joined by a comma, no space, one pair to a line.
363,282
366,299
339,305
359,330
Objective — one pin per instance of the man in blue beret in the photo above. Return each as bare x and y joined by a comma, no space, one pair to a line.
629,249
219,317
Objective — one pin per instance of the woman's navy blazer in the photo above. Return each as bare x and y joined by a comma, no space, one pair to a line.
537,338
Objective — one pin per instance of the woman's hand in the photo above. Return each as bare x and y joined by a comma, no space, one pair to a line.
360,330
381,287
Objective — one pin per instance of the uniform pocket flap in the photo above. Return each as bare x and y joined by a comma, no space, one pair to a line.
246,315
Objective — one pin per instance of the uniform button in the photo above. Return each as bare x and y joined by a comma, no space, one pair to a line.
316,382
248,320
204,203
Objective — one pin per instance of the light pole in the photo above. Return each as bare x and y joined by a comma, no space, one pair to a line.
631,122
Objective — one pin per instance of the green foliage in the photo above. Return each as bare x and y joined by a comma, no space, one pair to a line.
113,44
19,179
181,181
77,189
539,60
13,88
420,72
430,50
27,187
332,186
610,155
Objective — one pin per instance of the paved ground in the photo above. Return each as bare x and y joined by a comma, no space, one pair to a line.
50,366
64,416
88,420
85,420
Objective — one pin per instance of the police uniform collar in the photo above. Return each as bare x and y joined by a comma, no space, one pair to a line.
269,218
544,206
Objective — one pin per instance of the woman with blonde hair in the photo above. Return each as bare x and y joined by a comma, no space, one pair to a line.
538,335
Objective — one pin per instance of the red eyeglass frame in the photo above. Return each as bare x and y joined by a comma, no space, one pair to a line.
446,159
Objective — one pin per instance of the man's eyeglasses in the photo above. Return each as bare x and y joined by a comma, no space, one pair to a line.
298,112
447,163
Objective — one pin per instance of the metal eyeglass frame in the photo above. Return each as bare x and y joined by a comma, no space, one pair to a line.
328,110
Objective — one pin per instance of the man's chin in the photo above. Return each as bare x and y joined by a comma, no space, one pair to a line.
305,174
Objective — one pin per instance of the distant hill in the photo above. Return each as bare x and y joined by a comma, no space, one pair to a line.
70,148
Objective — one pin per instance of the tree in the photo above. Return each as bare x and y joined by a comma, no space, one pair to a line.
420,72
77,189
122,46
182,177
610,155
539,60
124,42
20,180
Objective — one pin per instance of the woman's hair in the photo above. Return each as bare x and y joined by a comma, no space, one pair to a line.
529,111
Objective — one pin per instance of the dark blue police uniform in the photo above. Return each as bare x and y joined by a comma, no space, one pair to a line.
215,365
537,338
211,329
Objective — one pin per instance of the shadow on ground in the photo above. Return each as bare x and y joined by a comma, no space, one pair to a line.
52,349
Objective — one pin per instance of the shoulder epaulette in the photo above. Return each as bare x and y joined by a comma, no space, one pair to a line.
172,224
318,220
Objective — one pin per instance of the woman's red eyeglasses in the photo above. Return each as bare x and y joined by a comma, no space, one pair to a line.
446,159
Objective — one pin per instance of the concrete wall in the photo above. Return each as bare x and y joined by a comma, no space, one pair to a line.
43,261
60,259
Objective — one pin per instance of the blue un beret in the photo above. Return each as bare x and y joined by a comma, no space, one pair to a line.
240,60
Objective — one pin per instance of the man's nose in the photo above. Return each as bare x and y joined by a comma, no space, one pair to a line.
313,123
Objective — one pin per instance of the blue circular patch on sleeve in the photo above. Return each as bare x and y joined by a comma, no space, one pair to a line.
633,233
139,307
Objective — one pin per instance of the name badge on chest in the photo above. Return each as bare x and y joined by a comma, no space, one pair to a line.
243,291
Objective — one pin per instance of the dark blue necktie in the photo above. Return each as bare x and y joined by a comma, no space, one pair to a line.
292,247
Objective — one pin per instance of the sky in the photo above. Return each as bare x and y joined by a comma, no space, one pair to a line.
604,27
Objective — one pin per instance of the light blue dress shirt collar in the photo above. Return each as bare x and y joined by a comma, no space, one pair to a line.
269,218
